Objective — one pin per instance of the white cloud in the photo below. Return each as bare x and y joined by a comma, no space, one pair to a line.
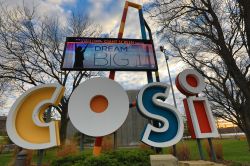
110,20
59,2
50,9
45,7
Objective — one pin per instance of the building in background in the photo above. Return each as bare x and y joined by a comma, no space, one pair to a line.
130,132
228,129
221,123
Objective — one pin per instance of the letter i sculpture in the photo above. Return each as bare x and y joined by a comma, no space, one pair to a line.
200,120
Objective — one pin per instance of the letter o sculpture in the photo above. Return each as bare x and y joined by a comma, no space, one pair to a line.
98,107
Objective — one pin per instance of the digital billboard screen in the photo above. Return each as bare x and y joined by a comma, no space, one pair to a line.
108,54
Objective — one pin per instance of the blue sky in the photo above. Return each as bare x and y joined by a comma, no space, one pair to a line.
108,13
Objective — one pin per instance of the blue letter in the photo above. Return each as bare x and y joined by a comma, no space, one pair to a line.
150,104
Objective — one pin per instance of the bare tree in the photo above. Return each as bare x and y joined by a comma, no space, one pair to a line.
213,37
31,48
2,87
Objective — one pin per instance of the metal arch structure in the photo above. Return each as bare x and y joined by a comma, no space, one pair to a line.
143,24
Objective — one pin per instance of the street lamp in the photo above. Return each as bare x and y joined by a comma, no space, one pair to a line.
167,58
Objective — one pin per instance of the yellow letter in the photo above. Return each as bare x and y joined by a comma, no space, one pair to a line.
25,125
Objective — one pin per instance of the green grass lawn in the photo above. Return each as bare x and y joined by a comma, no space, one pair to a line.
5,158
236,150
233,150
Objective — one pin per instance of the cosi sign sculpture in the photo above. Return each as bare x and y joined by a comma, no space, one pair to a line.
99,106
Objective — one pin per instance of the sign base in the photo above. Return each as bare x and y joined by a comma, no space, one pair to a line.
199,163
163,160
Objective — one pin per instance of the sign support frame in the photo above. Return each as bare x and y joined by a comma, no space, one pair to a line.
143,26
